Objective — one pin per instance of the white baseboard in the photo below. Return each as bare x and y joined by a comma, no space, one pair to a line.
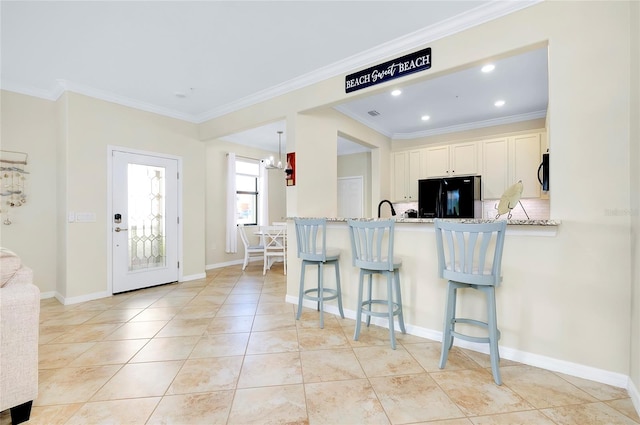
81,298
634,394
46,295
225,264
193,277
543,362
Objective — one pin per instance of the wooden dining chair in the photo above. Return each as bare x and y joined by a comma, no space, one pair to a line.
249,249
274,240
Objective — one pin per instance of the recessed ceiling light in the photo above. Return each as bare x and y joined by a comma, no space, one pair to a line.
396,92
488,68
499,103
425,118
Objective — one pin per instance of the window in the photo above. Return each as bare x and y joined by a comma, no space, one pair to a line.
247,175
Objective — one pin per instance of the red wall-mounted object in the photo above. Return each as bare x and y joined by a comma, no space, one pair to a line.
290,169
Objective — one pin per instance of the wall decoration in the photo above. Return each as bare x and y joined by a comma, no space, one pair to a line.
13,181
290,169
390,70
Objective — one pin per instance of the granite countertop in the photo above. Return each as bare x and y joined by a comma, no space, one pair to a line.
466,220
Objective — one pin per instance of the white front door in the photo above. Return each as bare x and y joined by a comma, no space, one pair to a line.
350,197
144,221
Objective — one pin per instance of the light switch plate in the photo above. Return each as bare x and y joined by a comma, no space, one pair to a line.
85,217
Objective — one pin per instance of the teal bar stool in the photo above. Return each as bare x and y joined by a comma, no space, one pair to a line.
372,249
311,235
470,256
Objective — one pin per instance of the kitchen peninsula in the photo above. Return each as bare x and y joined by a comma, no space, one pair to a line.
423,291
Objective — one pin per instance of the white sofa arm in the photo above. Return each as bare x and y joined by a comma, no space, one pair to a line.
19,328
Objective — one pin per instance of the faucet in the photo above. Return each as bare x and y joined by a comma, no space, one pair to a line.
393,211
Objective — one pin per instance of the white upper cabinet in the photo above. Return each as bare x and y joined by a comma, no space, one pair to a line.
509,159
407,170
495,172
459,159
437,161
526,157
501,162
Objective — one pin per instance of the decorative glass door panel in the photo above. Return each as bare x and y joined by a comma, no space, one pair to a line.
145,221
146,217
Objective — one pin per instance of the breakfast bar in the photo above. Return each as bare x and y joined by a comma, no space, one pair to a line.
423,292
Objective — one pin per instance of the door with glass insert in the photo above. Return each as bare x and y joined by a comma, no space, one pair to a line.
144,221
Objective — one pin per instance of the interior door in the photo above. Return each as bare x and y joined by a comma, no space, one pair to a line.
144,221
350,197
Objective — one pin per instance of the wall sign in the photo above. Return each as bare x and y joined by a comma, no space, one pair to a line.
405,65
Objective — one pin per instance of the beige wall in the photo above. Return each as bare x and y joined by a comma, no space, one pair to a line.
216,180
67,144
635,196
30,125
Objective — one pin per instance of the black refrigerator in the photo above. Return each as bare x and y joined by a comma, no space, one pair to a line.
451,197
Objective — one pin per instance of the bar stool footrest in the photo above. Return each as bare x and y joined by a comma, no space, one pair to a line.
473,322
333,296
396,308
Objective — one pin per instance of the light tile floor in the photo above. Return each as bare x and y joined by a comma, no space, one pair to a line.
227,349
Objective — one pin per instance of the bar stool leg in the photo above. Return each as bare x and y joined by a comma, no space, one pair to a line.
493,333
370,295
356,335
447,338
301,292
392,333
396,274
321,294
337,267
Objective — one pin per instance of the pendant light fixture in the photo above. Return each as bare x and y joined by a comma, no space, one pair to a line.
270,163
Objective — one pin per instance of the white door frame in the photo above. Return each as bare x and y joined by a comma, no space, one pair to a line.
109,221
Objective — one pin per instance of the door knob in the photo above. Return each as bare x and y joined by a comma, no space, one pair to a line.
117,229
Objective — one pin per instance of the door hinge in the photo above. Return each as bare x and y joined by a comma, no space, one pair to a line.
178,220
178,175
178,264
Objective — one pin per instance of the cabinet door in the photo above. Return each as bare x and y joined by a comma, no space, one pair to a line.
399,176
437,161
526,159
464,159
495,175
413,175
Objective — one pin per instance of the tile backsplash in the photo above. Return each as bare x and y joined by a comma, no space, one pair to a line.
537,209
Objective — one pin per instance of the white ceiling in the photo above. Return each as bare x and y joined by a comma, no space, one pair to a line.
201,59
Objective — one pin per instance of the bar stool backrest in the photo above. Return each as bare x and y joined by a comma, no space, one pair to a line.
470,253
372,244
311,235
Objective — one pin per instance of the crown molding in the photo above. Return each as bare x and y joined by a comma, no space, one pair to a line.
70,86
416,39
445,130
14,87
471,125
466,20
